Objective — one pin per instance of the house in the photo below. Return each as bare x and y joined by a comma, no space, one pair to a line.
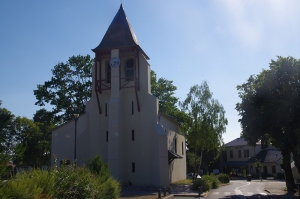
122,121
240,158
270,160
295,173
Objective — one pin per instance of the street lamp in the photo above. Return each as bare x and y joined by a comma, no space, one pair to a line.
76,116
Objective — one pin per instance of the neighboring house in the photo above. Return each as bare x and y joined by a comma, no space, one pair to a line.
270,160
239,158
237,154
122,122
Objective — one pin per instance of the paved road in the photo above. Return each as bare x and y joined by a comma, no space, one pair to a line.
238,190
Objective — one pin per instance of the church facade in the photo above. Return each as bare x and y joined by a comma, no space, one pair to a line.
122,122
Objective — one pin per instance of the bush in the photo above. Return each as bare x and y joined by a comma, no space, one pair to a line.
201,183
208,182
34,184
223,178
93,181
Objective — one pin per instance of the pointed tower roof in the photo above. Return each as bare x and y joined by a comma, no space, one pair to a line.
119,34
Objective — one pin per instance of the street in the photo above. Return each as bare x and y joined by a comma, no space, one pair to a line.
238,190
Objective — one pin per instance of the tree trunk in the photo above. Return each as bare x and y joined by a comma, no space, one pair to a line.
286,166
200,161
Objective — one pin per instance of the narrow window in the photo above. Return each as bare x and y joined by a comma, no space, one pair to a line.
106,136
274,169
133,167
240,153
129,70
132,135
132,108
105,109
107,72
231,154
265,169
182,147
175,145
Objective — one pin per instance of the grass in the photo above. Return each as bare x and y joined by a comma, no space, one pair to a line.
186,181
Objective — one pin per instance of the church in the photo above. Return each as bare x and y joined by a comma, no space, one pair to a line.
122,122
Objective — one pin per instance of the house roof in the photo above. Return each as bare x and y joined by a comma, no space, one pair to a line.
238,142
267,155
119,34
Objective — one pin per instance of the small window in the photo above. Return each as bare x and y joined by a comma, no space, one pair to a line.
265,169
231,154
246,153
129,70
133,167
107,72
175,145
132,135
182,148
240,153
132,108
106,136
273,169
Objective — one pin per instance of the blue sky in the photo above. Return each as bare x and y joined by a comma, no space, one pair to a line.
220,41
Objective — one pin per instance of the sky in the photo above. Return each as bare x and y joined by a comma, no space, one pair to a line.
222,42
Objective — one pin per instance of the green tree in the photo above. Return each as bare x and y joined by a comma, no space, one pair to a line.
164,90
69,87
207,121
270,110
7,134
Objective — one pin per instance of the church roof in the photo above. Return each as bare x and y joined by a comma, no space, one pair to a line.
119,34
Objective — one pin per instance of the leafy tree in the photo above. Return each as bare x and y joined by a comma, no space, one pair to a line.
164,90
69,87
207,121
7,134
270,110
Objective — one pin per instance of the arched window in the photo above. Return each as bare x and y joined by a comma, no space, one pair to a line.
129,70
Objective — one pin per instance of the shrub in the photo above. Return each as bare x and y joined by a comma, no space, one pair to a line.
208,182
223,178
201,182
93,181
34,184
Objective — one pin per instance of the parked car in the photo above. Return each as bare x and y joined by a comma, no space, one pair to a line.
191,175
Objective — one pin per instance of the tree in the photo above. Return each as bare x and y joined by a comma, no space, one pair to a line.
7,134
207,121
270,110
164,90
69,87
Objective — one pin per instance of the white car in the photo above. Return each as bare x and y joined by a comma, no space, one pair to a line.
191,175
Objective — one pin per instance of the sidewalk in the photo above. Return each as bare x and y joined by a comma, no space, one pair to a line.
277,188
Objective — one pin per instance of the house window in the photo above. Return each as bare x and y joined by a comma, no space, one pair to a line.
132,110
175,145
133,167
132,135
107,72
129,70
231,154
240,153
246,153
274,169
106,136
182,147
265,169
